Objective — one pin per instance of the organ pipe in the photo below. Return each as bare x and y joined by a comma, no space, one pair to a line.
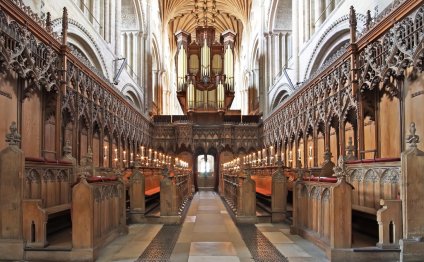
182,68
205,58
229,68
221,95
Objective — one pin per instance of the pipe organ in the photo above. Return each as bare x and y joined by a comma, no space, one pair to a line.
205,70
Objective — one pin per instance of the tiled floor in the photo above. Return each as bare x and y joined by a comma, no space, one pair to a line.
209,234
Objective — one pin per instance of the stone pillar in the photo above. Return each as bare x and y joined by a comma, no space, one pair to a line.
283,53
307,19
117,27
12,163
319,15
328,7
278,196
107,24
412,196
270,58
295,45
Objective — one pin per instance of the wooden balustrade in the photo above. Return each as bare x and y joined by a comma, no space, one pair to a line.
46,194
322,213
98,215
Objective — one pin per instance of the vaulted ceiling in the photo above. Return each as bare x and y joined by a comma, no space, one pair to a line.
188,14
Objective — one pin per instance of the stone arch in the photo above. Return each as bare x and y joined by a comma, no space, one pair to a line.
281,95
84,44
133,95
332,40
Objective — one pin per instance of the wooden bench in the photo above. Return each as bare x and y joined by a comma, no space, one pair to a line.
47,199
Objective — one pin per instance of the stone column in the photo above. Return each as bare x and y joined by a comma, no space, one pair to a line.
270,58
319,15
283,53
106,24
117,27
328,7
307,19
295,45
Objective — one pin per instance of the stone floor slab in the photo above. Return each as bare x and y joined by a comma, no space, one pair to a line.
212,249
213,259
277,237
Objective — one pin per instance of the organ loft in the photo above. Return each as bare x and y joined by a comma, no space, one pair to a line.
211,130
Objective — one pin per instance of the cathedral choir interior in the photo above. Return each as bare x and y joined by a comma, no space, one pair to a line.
212,130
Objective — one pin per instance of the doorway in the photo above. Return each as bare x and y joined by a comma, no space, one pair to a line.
206,176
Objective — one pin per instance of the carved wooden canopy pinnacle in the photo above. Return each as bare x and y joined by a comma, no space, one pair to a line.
412,139
13,138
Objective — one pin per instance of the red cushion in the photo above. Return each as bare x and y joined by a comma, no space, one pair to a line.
152,191
377,160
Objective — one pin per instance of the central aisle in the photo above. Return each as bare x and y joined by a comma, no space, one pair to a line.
209,233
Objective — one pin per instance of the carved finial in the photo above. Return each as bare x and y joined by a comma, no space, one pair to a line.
67,149
165,172
352,17
300,171
340,169
412,139
350,150
137,163
368,20
65,26
327,155
13,138
90,153
299,163
83,176
49,22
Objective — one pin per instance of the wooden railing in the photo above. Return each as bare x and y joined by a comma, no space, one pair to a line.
46,192
98,214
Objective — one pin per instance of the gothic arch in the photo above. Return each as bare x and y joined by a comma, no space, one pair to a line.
282,94
80,38
133,95
333,37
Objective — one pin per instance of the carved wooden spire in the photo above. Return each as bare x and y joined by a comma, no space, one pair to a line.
340,169
65,26
368,20
353,25
13,138
49,22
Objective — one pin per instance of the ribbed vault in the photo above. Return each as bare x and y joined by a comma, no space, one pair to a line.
188,14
